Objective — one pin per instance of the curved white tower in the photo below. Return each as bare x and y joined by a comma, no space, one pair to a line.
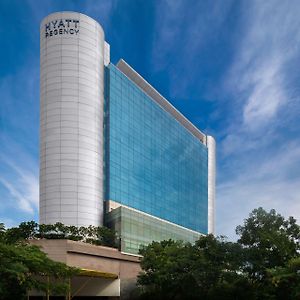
71,135
211,146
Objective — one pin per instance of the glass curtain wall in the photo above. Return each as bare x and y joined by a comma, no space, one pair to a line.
153,164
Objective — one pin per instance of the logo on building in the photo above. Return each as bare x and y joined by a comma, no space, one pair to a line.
62,26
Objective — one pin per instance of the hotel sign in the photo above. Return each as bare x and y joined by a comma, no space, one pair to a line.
62,26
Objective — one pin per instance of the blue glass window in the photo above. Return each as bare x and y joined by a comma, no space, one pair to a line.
153,163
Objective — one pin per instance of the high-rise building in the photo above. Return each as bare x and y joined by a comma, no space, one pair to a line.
114,151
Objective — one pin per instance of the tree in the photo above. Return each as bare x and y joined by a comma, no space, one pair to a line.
210,269
106,237
31,230
263,264
269,241
2,232
286,280
25,231
24,267
167,271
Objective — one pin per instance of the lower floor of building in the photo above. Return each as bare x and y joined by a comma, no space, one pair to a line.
105,273
137,229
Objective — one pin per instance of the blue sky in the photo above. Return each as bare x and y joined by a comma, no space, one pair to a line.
232,67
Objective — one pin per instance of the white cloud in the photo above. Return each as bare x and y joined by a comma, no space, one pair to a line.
20,179
239,198
29,183
23,202
258,75
260,151
266,96
257,157
271,181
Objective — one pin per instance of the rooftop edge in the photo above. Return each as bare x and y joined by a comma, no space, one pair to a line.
159,99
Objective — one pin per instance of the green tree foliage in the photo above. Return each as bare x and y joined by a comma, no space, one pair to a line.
25,231
210,269
269,241
263,264
165,264
2,232
287,278
31,230
24,267
106,237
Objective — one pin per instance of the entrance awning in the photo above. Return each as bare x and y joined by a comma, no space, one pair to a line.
95,273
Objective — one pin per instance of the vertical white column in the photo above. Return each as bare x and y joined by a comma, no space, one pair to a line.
211,145
106,54
71,120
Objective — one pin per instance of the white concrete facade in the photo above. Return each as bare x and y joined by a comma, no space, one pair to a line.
71,119
211,146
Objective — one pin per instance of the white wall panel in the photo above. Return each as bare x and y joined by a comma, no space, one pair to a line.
211,145
72,85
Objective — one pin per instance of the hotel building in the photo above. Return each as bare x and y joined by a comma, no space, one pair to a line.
113,150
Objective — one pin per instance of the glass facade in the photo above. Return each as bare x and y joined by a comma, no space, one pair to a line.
153,164
138,229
